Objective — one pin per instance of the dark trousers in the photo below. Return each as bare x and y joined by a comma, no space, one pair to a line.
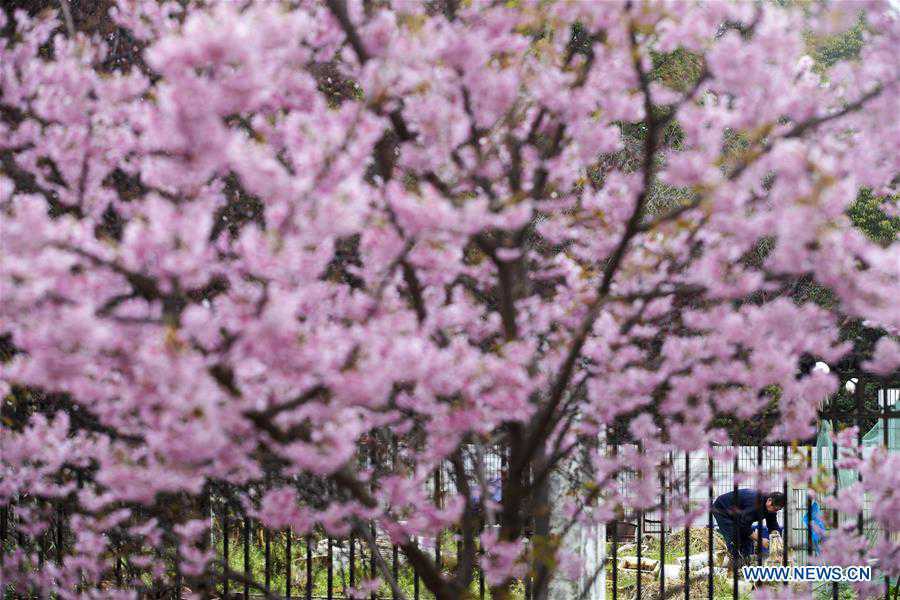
728,529
739,543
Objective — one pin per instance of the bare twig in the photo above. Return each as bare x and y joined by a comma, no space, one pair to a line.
67,15
365,532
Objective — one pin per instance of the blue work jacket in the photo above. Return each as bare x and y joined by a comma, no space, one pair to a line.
746,508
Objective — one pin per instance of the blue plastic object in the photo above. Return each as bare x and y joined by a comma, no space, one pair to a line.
818,525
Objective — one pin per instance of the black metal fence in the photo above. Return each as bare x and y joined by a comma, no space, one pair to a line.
642,542
256,561
639,545
329,567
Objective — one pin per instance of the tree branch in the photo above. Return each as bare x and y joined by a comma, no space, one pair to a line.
800,128
543,420
468,523
366,533
421,563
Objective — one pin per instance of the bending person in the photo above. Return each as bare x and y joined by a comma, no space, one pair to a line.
737,512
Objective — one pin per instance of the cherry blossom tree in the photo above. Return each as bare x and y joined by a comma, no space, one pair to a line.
284,235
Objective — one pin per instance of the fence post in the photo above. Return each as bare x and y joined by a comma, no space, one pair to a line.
209,514
886,439
226,552
309,570
662,529
352,561
640,542
372,561
787,508
415,585
395,552
709,466
759,521
834,470
687,526
640,549
735,558
859,435
246,532
615,527
437,504
266,556
809,545
288,558
60,517
42,548
481,588
4,515
329,584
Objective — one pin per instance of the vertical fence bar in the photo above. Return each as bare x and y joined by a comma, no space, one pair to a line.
809,544
481,588
20,537
372,561
329,574
711,563
246,532
504,463
615,558
438,497
615,526
736,556
352,562
640,541
42,548
437,504
226,550
309,569
4,516
79,484
288,558
373,463
209,513
886,440
859,435
459,550
662,530
60,519
687,526
640,560
760,515
416,585
395,552
787,508
834,470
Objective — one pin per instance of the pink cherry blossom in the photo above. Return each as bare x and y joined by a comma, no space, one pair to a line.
300,257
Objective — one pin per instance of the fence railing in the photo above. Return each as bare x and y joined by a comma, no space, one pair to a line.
649,553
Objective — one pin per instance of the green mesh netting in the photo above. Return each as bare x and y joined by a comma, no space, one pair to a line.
872,439
875,436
